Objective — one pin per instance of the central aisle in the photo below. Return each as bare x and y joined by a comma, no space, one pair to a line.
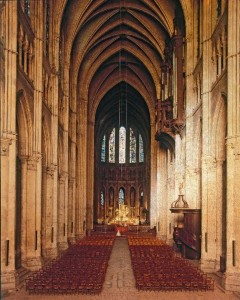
119,276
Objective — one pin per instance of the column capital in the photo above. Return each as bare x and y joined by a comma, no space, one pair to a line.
71,180
23,158
220,162
32,162
233,144
5,143
51,169
62,177
209,162
190,170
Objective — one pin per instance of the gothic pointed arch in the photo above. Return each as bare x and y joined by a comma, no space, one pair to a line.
25,125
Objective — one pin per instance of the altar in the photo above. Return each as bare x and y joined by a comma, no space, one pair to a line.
124,216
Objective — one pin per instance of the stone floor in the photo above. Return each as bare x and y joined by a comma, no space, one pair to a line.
120,284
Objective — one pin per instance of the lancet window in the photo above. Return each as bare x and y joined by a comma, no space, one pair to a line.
102,198
131,143
121,196
132,147
103,151
122,145
112,146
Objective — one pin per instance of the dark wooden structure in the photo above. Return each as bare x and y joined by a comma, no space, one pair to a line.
188,237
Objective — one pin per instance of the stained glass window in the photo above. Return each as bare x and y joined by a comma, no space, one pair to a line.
103,150
102,198
141,151
122,145
121,196
112,146
132,147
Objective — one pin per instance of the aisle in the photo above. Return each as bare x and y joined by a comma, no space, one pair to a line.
119,276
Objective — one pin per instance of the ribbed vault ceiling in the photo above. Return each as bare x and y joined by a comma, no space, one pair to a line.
115,44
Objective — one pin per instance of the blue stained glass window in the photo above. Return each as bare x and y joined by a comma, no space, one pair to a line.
103,150
102,198
122,145
132,147
112,146
141,150
121,196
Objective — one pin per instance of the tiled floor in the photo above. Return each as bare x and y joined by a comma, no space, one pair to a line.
120,284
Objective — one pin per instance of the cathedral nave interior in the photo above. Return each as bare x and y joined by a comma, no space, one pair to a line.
120,114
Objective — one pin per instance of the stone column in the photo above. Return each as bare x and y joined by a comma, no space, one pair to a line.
8,206
34,164
232,279
72,166
63,178
221,199
71,209
81,169
193,163
90,175
208,253
31,227
53,167
49,234
23,197
209,214
162,192
154,203
8,68
179,167
62,212
193,114
170,187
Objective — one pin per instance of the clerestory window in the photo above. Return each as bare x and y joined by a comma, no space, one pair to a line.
130,142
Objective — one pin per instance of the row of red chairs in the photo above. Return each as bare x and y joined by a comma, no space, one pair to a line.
156,267
80,269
